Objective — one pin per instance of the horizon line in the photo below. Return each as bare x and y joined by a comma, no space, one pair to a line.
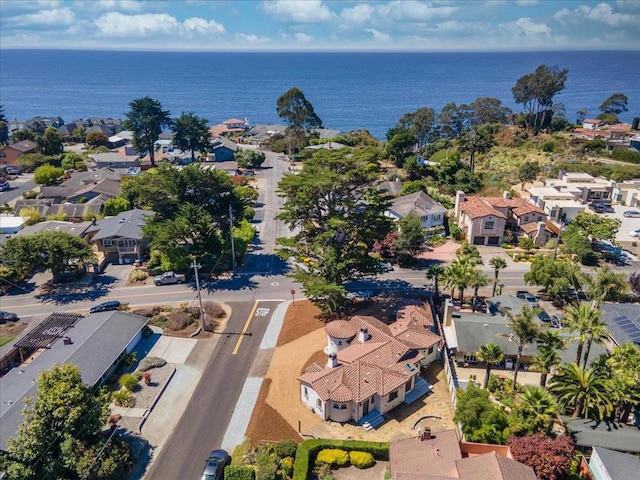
124,49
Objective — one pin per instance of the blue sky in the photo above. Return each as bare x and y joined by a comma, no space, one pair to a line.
299,25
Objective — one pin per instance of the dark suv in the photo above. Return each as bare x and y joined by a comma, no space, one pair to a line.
105,307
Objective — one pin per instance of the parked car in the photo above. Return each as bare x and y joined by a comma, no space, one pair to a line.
249,173
168,278
601,207
556,321
12,170
8,317
215,464
360,295
631,213
4,186
529,297
544,317
105,307
386,267
635,233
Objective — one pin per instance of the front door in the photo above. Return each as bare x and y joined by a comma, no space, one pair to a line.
365,407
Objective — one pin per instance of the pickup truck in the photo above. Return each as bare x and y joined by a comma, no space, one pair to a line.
168,278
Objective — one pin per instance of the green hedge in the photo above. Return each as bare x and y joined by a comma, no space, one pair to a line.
239,472
336,457
308,450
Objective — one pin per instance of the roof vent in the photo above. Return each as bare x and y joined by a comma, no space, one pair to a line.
486,325
122,220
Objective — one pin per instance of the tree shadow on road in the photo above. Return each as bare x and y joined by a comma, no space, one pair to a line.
70,293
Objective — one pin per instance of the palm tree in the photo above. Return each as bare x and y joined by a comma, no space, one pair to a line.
539,407
477,279
489,353
435,272
524,331
583,390
599,334
578,323
458,274
624,364
498,263
606,286
544,362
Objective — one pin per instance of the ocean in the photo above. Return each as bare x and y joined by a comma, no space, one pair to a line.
347,90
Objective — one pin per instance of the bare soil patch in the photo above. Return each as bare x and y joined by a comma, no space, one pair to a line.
301,318
266,423
11,329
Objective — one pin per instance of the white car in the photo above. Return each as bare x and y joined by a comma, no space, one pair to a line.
635,233
631,214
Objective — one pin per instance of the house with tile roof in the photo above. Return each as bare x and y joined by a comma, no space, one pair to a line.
441,456
486,220
372,367
431,213
223,149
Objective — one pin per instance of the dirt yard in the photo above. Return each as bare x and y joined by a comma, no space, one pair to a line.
10,330
279,414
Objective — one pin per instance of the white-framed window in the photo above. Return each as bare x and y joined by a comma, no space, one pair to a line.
318,403
343,406
526,218
430,351
489,225
306,392
393,395
107,242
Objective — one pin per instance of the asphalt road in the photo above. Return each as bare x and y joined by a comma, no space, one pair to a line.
20,185
204,423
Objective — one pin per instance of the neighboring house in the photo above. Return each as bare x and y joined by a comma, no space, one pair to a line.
612,435
485,220
369,370
229,127
583,186
84,186
68,129
261,134
54,122
223,149
465,332
78,229
627,193
441,456
75,212
391,188
592,123
606,464
328,146
10,226
119,239
96,343
113,160
421,205
108,131
11,153
623,321
634,143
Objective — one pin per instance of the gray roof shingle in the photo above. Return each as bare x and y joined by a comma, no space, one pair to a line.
125,225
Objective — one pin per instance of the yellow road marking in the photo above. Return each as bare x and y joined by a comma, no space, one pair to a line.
246,327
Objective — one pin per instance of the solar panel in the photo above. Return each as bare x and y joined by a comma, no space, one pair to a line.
625,327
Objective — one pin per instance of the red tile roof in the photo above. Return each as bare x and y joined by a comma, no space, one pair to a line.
340,329
476,207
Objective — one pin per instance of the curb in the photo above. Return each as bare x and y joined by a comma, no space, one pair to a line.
155,400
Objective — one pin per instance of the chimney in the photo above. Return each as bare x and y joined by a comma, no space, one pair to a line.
363,336
426,435
332,362
506,195
540,236
67,340
459,199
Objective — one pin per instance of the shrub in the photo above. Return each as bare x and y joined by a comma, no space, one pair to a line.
139,275
144,312
128,381
361,459
178,320
287,466
213,309
130,359
147,363
286,448
123,398
307,450
193,311
333,456
239,472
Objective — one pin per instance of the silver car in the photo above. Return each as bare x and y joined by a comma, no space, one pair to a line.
632,214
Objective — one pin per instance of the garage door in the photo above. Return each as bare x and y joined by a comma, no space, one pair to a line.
478,240
493,241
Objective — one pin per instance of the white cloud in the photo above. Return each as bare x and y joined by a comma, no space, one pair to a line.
600,13
414,11
114,24
303,37
252,39
200,25
128,5
378,36
58,16
531,28
357,15
526,3
298,11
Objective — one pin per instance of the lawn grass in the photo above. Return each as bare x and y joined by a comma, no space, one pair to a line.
5,340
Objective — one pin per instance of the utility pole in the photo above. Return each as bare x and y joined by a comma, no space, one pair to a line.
555,249
233,246
195,267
